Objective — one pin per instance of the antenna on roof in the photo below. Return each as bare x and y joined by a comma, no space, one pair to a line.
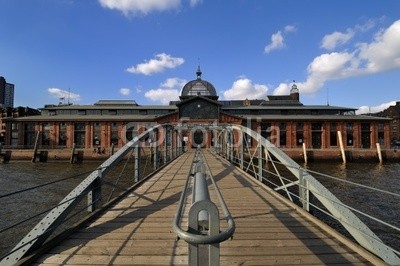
69,92
327,96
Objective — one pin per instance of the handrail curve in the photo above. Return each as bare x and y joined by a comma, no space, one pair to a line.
192,238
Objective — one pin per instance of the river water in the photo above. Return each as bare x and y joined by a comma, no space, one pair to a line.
18,175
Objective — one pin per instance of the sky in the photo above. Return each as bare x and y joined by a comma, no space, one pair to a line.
338,52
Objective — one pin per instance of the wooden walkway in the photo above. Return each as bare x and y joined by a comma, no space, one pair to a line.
138,230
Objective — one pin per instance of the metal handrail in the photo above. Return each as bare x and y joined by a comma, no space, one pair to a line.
192,238
306,184
90,186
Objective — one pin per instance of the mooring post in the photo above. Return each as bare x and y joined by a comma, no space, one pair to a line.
378,149
305,152
339,134
72,159
35,148
112,148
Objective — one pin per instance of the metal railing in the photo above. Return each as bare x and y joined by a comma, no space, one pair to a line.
164,150
203,216
274,168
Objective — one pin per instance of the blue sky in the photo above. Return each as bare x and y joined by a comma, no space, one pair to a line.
344,52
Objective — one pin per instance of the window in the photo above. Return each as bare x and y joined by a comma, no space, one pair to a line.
46,134
14,134
381,133
79,135
266,130
29,135
333,134
349,134
96,134
299,134
282,134
62,136
114,134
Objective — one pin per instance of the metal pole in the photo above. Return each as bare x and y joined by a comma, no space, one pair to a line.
304,192
94,195
137,162
155,150
260,159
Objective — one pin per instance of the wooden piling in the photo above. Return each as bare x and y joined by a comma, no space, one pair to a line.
305,152
35,148
339,134
378,149
5,155
72,159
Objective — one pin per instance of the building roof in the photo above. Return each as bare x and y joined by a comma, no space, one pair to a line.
111,106
84,118
198,87
316,117
285,107
116,102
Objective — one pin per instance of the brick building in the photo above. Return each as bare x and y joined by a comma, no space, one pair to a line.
282,119
11,113
393,112
6,93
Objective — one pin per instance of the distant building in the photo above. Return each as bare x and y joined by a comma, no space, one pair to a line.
6,93
282,119
11,113
393,112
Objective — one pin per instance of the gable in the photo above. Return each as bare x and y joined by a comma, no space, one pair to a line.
199,108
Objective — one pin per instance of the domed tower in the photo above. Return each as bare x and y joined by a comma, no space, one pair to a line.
294,92
198,87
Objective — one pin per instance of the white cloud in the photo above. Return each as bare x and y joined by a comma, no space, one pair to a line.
128,7
157,64
195,2
244,88
374,109
331,41
381,54
277,42
63,94
277,39
125,91
290,28
384,52
168,91
174,83
282,89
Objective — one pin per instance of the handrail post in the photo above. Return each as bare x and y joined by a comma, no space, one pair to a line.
165,145
94,195
137,162
260,160
241,150
304,192
203,218
155,150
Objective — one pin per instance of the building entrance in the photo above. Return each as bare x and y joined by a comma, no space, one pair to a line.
198,138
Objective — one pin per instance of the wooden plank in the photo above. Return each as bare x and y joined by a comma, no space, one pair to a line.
138,230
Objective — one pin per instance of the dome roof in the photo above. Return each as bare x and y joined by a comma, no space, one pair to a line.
198,87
